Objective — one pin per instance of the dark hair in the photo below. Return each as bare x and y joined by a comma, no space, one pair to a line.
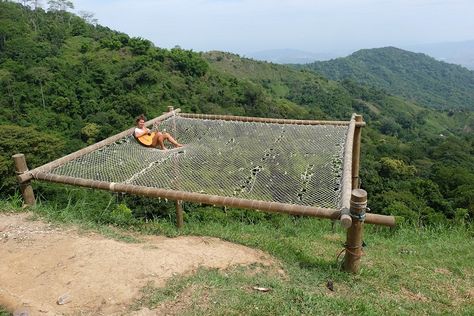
139,118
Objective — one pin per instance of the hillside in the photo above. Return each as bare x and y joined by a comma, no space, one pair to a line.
67,83
416,77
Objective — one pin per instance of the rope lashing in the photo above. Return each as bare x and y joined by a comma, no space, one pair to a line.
346,249
362,206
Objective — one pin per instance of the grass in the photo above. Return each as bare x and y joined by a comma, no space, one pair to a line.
4,312
404,271
407,271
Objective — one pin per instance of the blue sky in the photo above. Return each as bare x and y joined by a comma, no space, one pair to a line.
243,26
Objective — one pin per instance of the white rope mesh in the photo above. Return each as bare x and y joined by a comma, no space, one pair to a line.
293,164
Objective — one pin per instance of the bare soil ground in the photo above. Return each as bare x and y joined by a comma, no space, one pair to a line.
42,265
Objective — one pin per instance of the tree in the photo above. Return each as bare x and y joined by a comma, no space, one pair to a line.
40,75
6,78
395,168
60,5
88,17
90,132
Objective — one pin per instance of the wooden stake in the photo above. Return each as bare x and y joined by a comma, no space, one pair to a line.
355,232
356,153
25,187
179,214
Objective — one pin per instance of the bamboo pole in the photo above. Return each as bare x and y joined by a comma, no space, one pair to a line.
264,120
61,161
178,203
346,219
272,207
353,245
25,186
356,154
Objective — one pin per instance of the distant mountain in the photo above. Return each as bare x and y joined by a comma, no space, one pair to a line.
415,76
290,56
461,53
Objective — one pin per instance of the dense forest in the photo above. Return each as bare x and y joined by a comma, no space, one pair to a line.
67,82
414,76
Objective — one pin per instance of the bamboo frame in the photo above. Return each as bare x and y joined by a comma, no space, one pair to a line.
41,173
356,153
264,120
178,203
273,207
346,219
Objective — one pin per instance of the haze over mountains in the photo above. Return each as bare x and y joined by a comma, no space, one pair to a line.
461,53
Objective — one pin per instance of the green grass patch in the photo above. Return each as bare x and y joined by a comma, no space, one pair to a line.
404,271
4,311
408,270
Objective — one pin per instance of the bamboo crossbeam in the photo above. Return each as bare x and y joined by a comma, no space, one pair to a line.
273,207
61,161
264,120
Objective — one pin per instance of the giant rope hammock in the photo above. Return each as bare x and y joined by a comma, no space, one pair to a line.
298,167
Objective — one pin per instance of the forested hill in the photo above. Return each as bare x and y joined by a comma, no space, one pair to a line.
415,76
66,83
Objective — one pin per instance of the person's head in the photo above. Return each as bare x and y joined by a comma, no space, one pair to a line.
140,121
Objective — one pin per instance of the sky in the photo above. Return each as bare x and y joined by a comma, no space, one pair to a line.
245,26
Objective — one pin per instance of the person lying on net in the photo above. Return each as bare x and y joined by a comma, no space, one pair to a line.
152,139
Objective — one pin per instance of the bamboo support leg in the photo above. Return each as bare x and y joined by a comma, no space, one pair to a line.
25,187
179,214
355,232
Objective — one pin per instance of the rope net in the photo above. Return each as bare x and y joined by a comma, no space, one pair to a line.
286,163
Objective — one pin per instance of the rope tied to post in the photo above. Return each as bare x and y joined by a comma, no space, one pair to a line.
353,248
362,206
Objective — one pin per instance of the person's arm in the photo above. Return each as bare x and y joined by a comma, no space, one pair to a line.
140,132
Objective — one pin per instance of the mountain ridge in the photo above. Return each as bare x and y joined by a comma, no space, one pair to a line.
415,76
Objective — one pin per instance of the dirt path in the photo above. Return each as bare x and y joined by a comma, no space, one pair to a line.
40,263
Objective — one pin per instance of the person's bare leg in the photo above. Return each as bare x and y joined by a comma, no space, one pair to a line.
158,141
172,140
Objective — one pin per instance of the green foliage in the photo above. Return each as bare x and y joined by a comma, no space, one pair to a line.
90,132
188,62
122,215
38,148
394,168
4,312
